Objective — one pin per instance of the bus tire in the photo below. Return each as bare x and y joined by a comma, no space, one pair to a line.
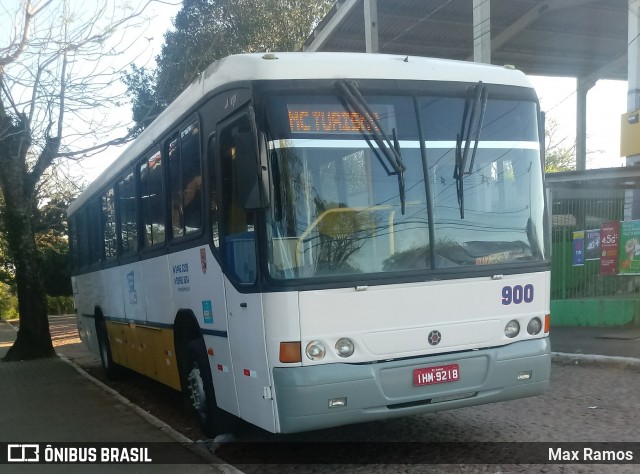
112,370
199,393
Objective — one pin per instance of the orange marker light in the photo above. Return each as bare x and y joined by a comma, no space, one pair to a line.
547,323
210,351
290,352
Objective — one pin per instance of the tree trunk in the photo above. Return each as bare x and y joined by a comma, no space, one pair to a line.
34,338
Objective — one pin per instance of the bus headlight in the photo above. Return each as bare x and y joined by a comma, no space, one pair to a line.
512,328
534,326
345,347
315,350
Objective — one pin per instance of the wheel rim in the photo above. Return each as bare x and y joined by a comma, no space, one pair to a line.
196,391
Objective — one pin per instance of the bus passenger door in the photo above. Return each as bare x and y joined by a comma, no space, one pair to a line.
245,321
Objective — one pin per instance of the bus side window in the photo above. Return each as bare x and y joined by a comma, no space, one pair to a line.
83,238
185,178
73,243
128,214
109,224
94,228
175,185
238,227
152,199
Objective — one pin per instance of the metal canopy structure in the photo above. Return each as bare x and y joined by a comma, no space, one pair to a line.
574,38
585,39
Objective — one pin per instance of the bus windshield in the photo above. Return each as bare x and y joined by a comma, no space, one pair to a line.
339,208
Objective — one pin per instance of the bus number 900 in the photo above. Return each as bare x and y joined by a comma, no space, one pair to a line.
517,294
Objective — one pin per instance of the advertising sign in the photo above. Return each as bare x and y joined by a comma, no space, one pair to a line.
592,244
629,248
578,248
609,237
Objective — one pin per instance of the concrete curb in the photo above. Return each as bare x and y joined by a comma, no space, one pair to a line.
596,360
201,448
161,425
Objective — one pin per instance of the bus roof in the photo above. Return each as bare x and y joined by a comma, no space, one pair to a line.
275,66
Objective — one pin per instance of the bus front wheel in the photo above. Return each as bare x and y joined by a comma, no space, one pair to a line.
200,394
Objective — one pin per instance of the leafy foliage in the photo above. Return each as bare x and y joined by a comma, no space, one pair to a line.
57,63
8,302
207,30
50,226
558,155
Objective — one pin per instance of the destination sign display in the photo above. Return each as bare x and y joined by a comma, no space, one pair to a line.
323,119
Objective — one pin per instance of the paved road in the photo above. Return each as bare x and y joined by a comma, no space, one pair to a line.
584,404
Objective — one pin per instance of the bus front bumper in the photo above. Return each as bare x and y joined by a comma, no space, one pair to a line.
366,392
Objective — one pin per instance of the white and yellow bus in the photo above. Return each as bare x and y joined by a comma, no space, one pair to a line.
311,240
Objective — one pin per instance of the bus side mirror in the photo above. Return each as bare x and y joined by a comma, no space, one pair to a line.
251,170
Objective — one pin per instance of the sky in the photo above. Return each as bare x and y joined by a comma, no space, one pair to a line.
606,102
161,14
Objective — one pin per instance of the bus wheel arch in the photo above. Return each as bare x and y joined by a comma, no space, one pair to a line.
111,369
196,379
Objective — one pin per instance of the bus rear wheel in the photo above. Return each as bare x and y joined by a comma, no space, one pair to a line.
112,370
199,392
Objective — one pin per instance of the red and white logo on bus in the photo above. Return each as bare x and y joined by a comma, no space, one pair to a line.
203,260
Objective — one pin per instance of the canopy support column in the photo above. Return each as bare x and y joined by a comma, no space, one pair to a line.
583,87
371,25
482,31
632,196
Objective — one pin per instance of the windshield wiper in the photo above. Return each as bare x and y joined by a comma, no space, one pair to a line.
391,151
472,120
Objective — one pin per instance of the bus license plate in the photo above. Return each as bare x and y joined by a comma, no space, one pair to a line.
433,375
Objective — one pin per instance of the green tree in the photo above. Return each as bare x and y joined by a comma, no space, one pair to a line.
207,30
559,156
51,230
8,300
50,227
56,70
6,267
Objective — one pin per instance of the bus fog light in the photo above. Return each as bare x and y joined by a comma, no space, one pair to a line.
337,402
512,328
315,350
534,326
345,347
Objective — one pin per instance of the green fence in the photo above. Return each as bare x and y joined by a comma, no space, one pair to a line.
580,296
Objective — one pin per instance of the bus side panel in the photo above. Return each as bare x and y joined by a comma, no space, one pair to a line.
113,304
95,294
157,297
156,340
132,288
123,339
249,353
123,342
281,324
84,312
159,359
196,283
